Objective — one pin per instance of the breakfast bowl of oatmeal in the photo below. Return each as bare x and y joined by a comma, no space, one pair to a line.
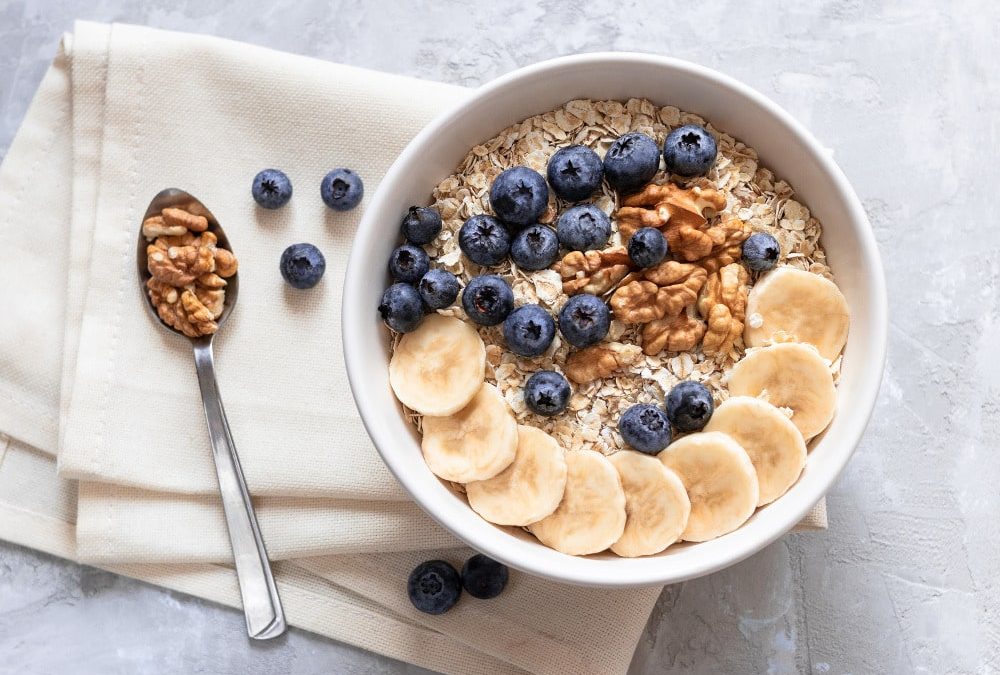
615,320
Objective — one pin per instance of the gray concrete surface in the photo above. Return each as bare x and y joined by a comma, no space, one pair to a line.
908,94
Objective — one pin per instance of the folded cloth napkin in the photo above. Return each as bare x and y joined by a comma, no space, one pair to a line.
85,373
535,626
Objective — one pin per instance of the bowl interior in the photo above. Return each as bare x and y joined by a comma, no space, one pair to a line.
783,146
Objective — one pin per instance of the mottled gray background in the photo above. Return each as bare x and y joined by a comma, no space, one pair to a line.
908,94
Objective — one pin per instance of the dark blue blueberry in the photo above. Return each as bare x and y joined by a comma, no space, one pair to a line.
483,577
271,189
631,161
584,320
302,265
408,263
519,196
689,151
535,248
342,189
484,240
583,227
420,225
575,172
761,251
547,393
487,300
434,587
645,428
689,406
647,247
401,308
438,288
529,330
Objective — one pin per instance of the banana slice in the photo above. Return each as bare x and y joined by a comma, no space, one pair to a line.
773,443
793,305
591,515
439,367
656,504
527,490
789,375
720,481
476,443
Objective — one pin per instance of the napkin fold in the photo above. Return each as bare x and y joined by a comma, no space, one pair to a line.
88,377
535,626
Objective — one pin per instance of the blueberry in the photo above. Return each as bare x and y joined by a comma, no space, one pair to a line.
583,227
535,248
401,308
584,320
689,151
519,196
342,189
488,300
484,240
434,586
631,161
529,330
271,189
575,172
438,289
645,428
483,577
647,247
420,225
546,393
302,265
761,251
689,406
408,263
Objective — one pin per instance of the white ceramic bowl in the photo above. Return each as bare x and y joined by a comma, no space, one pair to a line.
784,146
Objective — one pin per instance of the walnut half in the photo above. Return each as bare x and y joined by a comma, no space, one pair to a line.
178,261
669,207
727,244
595,272
181,309
600,361
680,333
683,214
663,291
723,304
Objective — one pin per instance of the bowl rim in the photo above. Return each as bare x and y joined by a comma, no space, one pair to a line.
353,343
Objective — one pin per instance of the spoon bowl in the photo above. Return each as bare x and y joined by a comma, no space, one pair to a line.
174,197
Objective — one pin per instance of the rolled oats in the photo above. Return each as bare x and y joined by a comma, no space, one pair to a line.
739,196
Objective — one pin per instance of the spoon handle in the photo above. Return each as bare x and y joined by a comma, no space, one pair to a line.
261,604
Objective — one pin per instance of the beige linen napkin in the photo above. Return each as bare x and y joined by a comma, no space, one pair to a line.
151,109
206,115
535,626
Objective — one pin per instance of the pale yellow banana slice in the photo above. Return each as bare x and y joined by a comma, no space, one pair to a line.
439,367
789,375
476,443
656,504
720,482
773,443
591,515
527,490
788,304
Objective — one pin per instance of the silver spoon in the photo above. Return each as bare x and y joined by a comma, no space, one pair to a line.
261,605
